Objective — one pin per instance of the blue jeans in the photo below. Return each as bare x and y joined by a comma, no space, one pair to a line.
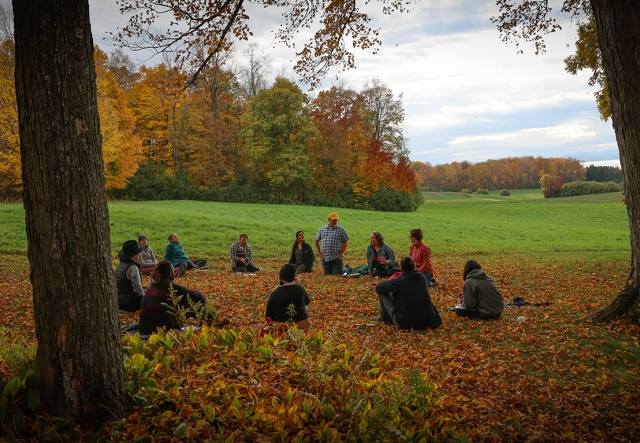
332,267
428,276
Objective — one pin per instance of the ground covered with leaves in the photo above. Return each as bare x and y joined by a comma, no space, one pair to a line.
555,377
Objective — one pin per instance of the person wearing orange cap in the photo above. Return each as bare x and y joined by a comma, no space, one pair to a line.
334,240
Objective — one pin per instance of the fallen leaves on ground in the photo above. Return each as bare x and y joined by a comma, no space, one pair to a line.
555,377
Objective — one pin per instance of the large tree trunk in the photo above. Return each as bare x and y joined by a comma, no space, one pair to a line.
76,316
618,24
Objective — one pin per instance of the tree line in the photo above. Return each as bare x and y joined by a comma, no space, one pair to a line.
231,136
506,173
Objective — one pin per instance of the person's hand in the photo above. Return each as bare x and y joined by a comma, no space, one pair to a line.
460,296
321,255
383,260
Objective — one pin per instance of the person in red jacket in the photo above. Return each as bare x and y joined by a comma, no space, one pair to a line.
421,254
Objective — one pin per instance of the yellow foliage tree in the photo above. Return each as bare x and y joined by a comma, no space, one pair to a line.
120,146
10,169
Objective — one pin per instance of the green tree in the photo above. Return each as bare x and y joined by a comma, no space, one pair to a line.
279,132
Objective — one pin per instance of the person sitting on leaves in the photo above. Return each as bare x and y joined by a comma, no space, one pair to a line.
154,312
128,281
289,293
405,300
147,259
241,256
381,260
479,297
174,252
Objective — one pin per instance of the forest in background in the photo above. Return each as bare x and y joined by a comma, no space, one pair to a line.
236,135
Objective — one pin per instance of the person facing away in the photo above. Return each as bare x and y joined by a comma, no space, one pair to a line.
302,254
128,281
421,254
479,297
154,313
174,252
147,259
284,296
405,300
241,256
381,260
334,240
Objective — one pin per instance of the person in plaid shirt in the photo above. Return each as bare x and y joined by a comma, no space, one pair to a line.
334,242
241,256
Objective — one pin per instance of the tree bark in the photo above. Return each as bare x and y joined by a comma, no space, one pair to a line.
75,307
618,25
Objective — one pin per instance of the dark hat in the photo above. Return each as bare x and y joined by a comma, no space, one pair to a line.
288,273
129,249
141,237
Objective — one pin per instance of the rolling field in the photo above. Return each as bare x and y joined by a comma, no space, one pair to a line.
454,224
555,377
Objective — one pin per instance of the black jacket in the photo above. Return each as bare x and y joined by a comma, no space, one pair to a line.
413,301
307,253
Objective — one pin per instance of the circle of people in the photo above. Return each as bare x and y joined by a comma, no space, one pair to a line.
404,298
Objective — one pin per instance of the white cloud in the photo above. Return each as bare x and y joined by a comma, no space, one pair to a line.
466,93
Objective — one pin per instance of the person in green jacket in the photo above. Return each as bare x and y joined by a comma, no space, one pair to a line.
174,252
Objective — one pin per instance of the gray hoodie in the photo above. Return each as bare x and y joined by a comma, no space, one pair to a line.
480,294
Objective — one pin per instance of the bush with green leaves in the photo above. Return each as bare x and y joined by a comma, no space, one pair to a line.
390,200
285,386
482,191
586,188
505,193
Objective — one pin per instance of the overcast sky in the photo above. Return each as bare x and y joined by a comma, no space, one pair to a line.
467,95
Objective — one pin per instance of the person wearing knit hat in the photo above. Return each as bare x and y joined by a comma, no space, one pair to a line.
147,259
334,240
288,294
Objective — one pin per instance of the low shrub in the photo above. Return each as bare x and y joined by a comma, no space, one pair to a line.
505,193
482,191
387,199
467,191
272,388
586,188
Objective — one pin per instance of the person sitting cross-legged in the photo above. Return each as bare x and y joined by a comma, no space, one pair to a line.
479,297
241,256
154,311
405,300
289,293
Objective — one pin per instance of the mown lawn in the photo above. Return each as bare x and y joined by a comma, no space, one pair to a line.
556,377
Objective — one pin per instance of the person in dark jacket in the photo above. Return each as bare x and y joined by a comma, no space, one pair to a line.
302,254
128,281
479,297
154,313
288,294
405,300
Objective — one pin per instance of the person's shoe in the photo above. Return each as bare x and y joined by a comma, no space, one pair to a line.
220,322
379,319
450,309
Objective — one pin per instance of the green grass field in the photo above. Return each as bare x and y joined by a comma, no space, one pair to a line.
454,224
